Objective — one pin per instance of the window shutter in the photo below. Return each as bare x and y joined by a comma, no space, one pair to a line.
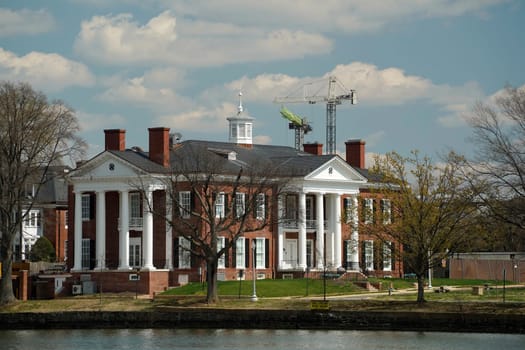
226,254
193,258
378,255
362,263
176,252
92,206
234,253
247,252
266,253
393,255
345,254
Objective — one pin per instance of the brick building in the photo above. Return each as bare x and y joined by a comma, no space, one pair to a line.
115,233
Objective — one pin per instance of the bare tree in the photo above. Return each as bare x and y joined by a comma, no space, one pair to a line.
34,134
214,199
431,210
499,163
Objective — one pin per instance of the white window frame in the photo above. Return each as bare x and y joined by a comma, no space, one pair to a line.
369,255
368,210
86,254
240,204
135,214
86,207
184,253
260,253
221,263
386,211
185,204
387,256
291,207
33,218
261,209
135,252
240,252
220,211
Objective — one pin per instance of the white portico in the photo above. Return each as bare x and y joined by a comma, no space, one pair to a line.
122,195
310,233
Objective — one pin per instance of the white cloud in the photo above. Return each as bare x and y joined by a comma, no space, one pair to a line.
90,121
164,39
349,16
50,72
262,140
199,119
25,22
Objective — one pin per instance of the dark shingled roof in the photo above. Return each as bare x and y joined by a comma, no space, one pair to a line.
287,160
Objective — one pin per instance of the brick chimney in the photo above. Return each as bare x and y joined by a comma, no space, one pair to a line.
115,139
355,153
159,142
314,148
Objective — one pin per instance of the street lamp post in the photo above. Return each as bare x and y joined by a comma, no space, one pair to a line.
254,250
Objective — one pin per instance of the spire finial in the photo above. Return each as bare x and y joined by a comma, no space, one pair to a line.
240,102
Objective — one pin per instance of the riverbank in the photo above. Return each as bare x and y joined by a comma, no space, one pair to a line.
270,319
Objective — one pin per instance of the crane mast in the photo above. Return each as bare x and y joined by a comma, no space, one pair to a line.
299,125
334,96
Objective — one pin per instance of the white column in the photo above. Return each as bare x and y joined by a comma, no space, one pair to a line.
280,238
147,232
101,230
77,266
337,231
124,231
320,251
354,237
302,230
169,232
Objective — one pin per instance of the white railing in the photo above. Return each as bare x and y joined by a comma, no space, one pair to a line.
134,223
294,224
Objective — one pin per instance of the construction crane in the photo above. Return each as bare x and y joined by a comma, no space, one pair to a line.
336,94
300,125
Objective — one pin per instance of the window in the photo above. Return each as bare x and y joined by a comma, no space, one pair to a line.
369,255
65,249
221,264
348,207
184,253
233,130
291,207
309,253
86,207
309,208
242,131
135,214
261,209
86,253
219,206
248,130
134,252
239,204
185,204
240,254
386,212
387,256
368,210
260,254
33,218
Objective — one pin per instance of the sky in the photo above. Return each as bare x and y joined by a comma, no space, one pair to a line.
417,66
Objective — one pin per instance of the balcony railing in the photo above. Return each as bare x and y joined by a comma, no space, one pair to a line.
294,224
134,223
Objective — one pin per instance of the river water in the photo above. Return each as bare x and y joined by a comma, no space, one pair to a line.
153,339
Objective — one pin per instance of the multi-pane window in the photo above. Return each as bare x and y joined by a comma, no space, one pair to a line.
220,205
184,253
135,214
260,254
291,207
309,208
368,210
240,205
134,252
240,254
33,218
369,255
86,207
261,210
349,209
222,260
185,204
86,253
387,256
233,130
386,211
309,253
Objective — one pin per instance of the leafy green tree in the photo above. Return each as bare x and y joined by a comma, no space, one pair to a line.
432,210
34,134
43,250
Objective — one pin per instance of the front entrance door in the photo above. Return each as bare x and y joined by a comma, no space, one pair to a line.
290,253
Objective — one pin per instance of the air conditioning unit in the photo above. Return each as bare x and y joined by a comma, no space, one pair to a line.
77,289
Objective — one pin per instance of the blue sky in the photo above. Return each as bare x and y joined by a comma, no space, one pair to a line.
417,66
